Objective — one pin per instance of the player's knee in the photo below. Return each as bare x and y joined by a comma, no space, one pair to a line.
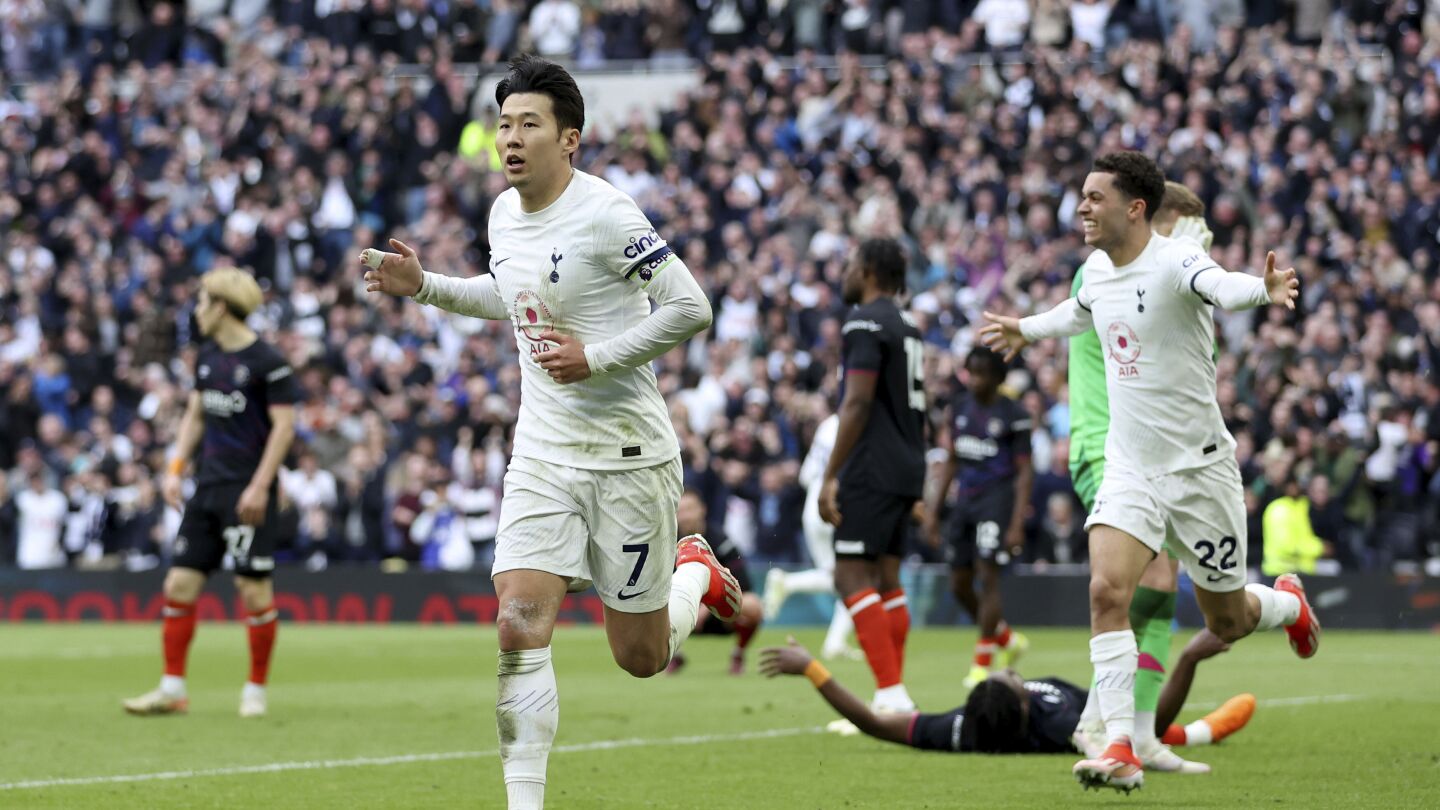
1107,597
519,624
642,663
751,610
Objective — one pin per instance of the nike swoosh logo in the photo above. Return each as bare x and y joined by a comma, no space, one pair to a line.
623,596
499,262
1214,577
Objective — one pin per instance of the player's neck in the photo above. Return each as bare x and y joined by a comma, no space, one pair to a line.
540,198
1131,247
232,336
873,294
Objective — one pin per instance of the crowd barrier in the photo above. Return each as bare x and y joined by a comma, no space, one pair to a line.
368,596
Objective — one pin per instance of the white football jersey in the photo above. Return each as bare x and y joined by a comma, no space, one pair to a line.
581,266
1157,330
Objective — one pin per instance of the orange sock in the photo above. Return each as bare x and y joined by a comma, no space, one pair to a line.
1174,735
897,607
262,626
177,631
872,628
1002,635
744,631
985,651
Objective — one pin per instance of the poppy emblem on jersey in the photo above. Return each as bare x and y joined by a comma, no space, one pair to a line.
242,375
1123,346
532,318
555,257
1140,294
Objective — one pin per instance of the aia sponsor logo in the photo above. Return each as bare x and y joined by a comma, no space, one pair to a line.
532,318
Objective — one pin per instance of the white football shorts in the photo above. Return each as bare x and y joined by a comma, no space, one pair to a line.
1198,514
615,528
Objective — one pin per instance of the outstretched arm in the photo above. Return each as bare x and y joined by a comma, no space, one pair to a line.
400,274
1009,335
794,659
1244,291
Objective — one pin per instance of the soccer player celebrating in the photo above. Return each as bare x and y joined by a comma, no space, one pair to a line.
820,542
243,417
691,519
595,474
989,445
1171,479
1152,611
877,469
1006,714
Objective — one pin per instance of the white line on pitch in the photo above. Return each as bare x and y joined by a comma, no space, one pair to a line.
1301,700
403,759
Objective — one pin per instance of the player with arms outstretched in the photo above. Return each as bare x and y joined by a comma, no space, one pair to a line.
595,474
1171,479
242,415
1152,611
877,469
987,443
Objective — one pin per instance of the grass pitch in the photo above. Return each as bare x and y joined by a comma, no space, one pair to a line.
401,717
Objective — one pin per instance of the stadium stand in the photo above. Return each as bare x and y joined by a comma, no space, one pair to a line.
144,144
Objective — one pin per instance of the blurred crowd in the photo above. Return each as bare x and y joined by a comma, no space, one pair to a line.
155,143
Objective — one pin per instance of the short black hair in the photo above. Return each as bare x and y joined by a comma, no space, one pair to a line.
531,74
992,720
884,258
993,360
1137,176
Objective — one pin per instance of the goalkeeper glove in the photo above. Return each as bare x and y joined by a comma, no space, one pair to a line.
1194,229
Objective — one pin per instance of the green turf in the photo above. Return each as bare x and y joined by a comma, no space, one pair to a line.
346,692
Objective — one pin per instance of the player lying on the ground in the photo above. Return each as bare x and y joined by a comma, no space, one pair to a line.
690,516
1006,714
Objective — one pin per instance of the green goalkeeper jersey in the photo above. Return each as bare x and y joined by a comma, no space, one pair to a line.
1089,405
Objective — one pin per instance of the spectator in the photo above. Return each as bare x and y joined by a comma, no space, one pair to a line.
40,521
1291,546
555,27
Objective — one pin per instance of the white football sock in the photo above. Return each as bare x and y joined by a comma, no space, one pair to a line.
690,582
1145,731
1198,733
814,580
527,713
893,698
172,685
1116,658
252,690
1090,715
840,626
1277,608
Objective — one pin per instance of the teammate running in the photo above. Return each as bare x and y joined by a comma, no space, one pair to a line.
595,474
819,541
242,414
1152,611
877,469
1171,476
988,442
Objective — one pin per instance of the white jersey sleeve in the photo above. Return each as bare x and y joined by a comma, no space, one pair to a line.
478,297
682,308
1202,276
